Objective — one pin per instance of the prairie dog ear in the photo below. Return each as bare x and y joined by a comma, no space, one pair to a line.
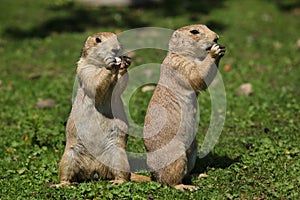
179,35
175,39
83,53
176,34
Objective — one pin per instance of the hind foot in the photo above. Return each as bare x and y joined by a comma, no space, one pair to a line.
117,181
183,187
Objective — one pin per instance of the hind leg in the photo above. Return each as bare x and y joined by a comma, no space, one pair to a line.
74,167
120,168
66,170
118,164
174,173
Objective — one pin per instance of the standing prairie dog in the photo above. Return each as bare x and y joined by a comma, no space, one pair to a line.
97,128
170,122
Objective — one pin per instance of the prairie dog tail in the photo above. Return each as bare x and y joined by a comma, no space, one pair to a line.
139,178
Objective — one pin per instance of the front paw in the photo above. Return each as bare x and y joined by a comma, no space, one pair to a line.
217,51
125,62
112,63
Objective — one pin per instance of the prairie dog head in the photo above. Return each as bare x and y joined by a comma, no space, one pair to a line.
193,41
100,47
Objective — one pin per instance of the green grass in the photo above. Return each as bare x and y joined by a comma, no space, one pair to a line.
258,153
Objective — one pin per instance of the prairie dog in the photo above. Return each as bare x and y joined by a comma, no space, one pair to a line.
97,128
170,122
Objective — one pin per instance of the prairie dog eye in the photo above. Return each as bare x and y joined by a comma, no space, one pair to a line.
98,40
194,32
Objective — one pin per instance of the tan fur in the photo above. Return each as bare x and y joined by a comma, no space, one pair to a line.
96,135
170,122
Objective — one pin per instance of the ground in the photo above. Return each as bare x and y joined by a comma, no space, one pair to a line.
257,155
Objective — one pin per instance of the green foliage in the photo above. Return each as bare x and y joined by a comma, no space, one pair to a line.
258,154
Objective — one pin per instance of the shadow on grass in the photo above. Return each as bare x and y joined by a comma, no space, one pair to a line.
286,5
73,17
202,165
209,161
178,7
213,161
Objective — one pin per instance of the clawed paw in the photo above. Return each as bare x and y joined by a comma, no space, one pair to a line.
121,62
112,62
117,181
217,50
125,62
62,184
183,187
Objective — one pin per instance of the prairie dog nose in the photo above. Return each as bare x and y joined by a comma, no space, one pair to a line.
115,51
216,39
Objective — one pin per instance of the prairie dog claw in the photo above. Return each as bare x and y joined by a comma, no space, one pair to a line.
118,60
217,50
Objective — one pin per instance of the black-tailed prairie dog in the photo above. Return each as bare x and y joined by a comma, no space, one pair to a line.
97,128
170,122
